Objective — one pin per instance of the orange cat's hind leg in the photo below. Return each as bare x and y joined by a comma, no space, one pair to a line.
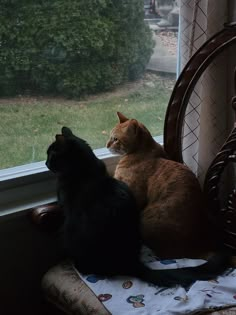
170,239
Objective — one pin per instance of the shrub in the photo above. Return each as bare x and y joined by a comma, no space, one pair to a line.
71,47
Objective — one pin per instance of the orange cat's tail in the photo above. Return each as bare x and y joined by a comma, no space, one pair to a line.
216,265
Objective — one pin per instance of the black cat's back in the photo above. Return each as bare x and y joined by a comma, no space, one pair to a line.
104,225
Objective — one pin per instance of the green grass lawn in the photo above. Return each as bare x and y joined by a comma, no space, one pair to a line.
29,124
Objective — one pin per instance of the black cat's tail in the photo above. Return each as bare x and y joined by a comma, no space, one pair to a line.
216,265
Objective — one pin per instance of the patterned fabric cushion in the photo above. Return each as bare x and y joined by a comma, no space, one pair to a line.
64,287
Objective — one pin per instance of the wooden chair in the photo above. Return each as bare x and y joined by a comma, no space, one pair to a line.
224,216
62,285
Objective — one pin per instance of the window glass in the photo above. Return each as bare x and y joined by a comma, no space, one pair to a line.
73,63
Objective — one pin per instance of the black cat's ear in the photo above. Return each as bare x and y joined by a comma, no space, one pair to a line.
66,132
122,117
60,138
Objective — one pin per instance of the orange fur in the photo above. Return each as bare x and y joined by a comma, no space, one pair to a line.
173,215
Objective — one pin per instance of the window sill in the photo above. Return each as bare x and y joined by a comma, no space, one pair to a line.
31,185
27,186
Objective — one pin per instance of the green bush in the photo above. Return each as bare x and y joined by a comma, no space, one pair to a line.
71,47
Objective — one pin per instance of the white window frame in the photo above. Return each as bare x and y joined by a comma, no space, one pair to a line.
31,185
27,186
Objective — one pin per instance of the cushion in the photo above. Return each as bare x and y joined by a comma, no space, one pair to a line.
76,293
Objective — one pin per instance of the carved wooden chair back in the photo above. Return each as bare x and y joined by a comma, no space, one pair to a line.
223,214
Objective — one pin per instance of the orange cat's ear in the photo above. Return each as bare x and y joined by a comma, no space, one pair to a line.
122,117
132,127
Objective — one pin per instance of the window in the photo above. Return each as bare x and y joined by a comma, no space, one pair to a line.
61,64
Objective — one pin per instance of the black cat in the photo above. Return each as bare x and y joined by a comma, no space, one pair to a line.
101,228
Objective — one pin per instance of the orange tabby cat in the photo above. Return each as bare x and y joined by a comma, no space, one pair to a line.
174,221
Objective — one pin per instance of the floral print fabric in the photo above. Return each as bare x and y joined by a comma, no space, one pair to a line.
91,294
124,295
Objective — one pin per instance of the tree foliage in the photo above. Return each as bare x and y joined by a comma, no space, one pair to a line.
71,47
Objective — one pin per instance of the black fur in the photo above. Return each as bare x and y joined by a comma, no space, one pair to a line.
101,229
